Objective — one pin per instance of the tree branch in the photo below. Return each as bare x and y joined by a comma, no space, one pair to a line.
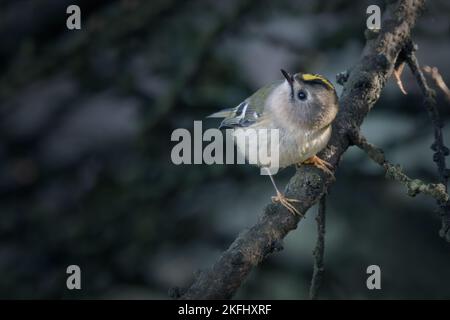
318,253
394,172
440,150
361,91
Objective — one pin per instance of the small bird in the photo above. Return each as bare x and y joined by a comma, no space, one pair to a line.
302,107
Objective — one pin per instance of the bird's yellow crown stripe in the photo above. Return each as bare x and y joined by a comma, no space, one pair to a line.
316,77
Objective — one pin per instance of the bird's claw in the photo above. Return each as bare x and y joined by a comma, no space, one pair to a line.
321,164
286,202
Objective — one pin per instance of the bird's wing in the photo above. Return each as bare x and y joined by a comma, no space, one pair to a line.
248,112
243,115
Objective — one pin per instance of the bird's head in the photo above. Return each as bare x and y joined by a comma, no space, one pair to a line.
306,100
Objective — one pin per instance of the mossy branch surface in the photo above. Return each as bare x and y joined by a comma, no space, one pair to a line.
395,172
361,90
440,151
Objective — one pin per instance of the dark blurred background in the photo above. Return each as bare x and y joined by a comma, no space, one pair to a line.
85,170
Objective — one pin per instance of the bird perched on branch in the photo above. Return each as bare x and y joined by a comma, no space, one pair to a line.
302,108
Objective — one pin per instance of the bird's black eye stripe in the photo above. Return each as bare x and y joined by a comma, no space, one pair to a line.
301,95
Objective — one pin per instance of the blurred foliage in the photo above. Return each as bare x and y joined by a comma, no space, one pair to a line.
86,177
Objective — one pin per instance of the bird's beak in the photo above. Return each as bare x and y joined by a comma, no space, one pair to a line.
288,77
290,80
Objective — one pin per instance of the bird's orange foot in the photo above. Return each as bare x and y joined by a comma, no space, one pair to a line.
286,202
321,164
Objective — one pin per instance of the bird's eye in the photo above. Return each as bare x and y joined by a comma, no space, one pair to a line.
302,95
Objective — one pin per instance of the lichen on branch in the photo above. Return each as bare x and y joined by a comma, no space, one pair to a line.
361,90
395,172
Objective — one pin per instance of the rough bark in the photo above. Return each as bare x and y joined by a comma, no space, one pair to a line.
362,89
440,151
318,252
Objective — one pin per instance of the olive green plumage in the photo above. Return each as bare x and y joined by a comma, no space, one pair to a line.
247,111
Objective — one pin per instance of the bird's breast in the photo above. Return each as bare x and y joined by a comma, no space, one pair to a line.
294,147
300,145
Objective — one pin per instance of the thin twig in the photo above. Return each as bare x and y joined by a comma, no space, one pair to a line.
395,172
440,150
438,80
398,77
318,252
